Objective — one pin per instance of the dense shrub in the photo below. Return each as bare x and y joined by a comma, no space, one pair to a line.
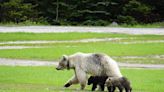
126,20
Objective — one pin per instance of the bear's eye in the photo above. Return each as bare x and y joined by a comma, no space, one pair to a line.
64,59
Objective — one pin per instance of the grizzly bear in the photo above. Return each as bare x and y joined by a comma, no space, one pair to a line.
121,83
88,63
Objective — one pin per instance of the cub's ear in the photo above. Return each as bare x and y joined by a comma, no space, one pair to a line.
92,77
108,80
65,57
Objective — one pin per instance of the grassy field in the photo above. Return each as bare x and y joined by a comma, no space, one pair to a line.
114,48
56,51
19,36
53,36
45,79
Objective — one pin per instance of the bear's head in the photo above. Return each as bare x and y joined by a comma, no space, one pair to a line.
91,80
63,63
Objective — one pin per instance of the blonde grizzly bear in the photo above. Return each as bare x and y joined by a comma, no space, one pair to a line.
88,63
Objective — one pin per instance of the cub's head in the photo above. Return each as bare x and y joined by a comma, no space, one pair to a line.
63,63
108,82
91,80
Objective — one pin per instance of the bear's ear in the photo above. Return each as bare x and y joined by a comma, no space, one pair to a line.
65,57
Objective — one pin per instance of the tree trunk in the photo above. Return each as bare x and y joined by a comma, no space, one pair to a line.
57,9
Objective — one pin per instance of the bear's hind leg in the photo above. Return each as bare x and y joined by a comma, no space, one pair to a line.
102,87
82,77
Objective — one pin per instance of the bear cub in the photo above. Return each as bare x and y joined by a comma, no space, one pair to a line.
121,83
97,80
110,82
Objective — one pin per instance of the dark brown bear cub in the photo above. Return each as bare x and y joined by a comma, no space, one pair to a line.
97,80
121,83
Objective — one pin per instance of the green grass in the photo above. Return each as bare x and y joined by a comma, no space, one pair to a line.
71,36
29,79
47,79
33,75
53,36
56,51
144,80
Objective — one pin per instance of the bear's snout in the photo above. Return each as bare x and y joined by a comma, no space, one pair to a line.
58,68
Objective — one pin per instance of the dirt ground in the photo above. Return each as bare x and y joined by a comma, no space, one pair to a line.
48,29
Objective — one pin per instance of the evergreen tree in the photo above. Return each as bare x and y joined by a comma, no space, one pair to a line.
15,11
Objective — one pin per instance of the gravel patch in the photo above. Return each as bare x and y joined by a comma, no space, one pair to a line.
83,41
148,41
154,66
142,57
19,47
49,29
16,62
65,41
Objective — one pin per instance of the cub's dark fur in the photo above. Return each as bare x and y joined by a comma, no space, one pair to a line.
111,83
97,80
121,83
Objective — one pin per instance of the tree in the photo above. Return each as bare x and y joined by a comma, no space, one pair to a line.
136,10
15,11
57,9
87,12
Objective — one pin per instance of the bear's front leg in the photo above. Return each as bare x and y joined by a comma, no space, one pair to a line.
73,80
81,76
94,87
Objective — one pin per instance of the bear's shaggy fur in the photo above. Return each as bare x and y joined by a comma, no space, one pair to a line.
88,63
97,80
121,83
